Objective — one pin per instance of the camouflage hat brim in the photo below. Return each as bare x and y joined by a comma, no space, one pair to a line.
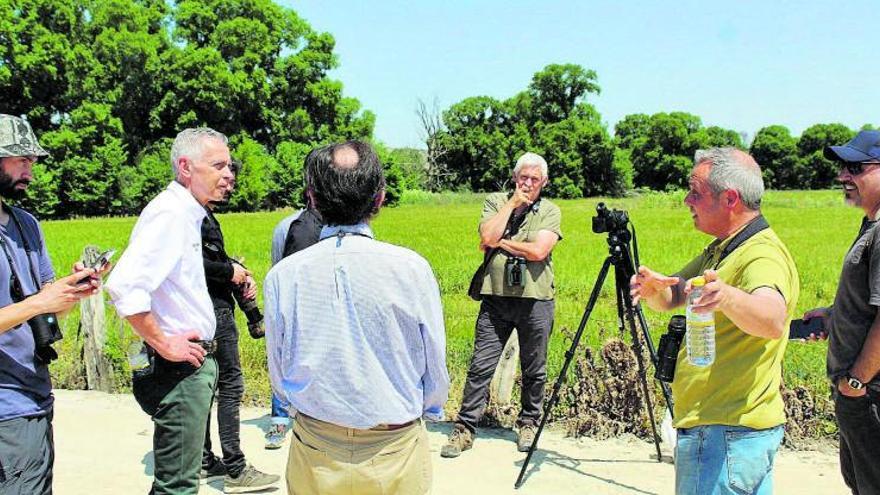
19,150
17,138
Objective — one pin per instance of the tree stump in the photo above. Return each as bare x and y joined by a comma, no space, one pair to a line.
99,372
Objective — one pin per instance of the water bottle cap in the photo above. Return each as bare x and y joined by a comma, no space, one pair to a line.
698,281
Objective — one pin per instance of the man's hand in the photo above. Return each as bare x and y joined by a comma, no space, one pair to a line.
60,295
647,283
239,274
250,288
180,348
844,388
519,198
824,314
715,293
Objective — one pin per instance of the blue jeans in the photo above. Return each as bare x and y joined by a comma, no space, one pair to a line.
720,459
279,414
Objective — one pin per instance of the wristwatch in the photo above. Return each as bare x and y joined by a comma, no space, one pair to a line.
853,382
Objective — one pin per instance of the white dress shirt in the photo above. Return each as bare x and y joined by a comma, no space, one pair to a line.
162,271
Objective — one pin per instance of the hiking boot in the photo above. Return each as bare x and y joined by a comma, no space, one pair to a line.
525,437
213,472
275,436
460,440
249,480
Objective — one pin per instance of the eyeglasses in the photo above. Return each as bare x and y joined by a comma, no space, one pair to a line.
526,179
855,168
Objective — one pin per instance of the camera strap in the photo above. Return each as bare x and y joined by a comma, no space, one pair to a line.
27,249
746,233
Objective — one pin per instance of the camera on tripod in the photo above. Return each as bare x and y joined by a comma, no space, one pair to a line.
667,349
609,220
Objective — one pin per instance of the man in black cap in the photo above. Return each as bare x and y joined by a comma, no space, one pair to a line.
852,324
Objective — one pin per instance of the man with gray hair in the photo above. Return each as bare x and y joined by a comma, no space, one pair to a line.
159,287
729,413
518,231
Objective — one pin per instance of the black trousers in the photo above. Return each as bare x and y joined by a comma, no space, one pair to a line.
859,422
27,454
533,320
230,387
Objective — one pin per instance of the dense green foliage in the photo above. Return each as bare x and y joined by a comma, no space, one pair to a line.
106,83
816,226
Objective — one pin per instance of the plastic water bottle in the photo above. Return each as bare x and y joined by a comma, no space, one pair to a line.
700,329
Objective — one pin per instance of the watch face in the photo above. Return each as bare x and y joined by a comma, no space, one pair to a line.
854,383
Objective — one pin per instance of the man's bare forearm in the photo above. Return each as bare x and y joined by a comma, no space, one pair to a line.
868,362
145,325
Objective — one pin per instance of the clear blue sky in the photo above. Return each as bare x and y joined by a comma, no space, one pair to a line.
740,65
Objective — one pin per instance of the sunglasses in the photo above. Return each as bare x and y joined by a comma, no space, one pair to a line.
855,168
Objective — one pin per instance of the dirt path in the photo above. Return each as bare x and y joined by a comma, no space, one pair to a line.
103,446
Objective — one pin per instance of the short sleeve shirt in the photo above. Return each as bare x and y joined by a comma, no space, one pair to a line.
741,387
25,387
856,302
538,275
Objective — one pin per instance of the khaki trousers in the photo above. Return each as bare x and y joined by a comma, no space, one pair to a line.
326,459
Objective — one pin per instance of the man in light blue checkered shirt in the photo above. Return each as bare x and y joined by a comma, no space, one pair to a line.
356,341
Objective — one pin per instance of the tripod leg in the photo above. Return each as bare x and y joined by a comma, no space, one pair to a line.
569,355
622,281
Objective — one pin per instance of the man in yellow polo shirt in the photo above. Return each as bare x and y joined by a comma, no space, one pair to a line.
730,414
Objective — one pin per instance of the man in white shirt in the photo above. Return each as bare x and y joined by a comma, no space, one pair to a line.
159,287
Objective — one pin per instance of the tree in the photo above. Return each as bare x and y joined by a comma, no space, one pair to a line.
482,136
820,172
776,152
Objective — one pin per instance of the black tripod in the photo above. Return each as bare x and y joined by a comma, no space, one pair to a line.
619,255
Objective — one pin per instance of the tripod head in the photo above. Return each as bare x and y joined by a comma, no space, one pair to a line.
616,224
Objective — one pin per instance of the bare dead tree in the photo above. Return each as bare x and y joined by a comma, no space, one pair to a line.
431,125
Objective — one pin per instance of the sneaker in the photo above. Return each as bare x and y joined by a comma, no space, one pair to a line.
249,480
460,440
275,436
525,437
213,473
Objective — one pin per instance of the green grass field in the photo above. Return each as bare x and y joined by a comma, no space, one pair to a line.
815,225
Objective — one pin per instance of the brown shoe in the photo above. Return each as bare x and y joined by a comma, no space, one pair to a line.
460,440
525,437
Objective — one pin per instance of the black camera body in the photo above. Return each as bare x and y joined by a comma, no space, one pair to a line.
668,347
43,326
251,312
514,271
609,220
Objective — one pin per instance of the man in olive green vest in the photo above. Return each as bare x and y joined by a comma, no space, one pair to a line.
518,232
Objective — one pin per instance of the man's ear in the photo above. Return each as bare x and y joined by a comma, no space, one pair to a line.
380,200
731,198
184,170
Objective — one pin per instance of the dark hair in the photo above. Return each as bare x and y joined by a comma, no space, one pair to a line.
345,195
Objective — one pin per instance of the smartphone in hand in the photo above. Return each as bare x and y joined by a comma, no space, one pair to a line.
800,329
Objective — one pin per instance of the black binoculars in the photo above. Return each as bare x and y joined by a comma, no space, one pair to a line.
668,347
514,270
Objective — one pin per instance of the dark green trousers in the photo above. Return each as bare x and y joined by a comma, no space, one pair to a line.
179,431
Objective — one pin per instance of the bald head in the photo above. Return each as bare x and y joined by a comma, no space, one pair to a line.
345,156
346,182
733,169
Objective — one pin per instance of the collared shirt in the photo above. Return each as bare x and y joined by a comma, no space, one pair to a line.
741,387
538,280
855,304
162,271
355,333
25,388
279,235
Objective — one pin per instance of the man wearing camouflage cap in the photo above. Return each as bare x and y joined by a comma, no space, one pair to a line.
26,290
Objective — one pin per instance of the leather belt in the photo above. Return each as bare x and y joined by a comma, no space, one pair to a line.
379,427
210,346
